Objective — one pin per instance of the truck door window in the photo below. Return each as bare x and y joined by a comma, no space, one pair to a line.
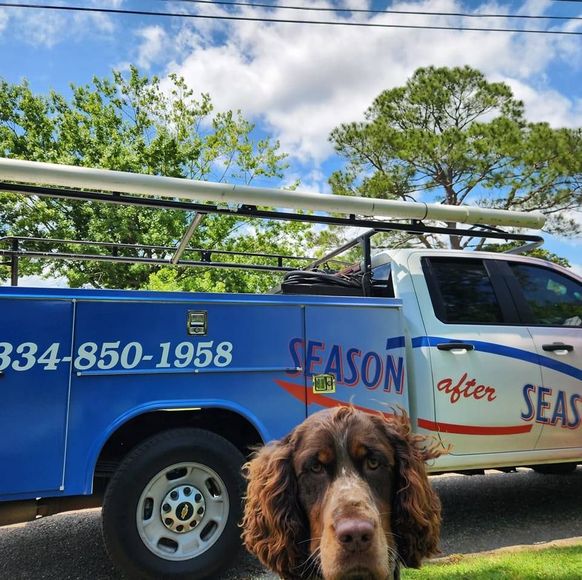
553,299
462,292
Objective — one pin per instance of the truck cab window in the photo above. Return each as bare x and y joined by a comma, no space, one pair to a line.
462,292
553,299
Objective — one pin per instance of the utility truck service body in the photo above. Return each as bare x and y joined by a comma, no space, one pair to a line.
147,402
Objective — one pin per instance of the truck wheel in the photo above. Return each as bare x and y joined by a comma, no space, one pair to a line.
172,508
555,468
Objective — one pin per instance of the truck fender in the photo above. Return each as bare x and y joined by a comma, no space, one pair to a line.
172,405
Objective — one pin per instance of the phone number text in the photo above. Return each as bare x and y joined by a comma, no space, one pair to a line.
115,355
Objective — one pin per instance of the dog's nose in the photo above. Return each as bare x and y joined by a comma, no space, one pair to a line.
355,535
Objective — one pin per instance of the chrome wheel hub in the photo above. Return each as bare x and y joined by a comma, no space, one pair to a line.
183,509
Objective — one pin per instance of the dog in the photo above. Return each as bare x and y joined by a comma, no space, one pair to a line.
344,496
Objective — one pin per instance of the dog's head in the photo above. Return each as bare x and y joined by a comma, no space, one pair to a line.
344,496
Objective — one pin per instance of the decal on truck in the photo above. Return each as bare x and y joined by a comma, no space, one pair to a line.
505,351
114,355
456,429
545,407
350,366
301,394
466,389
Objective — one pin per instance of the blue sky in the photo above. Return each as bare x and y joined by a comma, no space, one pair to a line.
298,82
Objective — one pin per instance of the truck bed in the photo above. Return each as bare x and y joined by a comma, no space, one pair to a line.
78,364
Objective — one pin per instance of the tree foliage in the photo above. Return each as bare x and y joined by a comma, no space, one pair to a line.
137,124
451,136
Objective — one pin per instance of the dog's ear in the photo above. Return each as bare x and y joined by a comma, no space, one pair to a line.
416,508
273,523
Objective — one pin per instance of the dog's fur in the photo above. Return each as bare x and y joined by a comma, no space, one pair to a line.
344,496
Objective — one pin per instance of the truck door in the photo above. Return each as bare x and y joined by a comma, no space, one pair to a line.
551,304
35,360
361,345
481,358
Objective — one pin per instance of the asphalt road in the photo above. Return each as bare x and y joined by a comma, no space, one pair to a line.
480,513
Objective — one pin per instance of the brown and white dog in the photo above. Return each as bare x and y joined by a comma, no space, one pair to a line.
344,496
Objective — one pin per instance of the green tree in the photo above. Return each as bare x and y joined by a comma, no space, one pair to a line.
137,124
450,136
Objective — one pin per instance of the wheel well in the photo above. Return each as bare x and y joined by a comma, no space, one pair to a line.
230,425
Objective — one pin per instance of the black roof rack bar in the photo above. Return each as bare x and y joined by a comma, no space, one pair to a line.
141,247
415,227
139,260
344,248
183,245
18,250
525,248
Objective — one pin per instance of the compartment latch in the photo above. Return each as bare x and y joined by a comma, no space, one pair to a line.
197,322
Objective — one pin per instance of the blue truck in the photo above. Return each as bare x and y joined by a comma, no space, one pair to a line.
147,403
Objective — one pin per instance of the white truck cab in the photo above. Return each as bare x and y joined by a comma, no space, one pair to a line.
495,354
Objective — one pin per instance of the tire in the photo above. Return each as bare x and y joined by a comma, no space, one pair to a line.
173,506
555,468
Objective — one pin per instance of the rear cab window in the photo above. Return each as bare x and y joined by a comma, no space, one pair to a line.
462,291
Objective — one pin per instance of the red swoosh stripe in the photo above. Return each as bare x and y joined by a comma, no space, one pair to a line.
300,392
473,430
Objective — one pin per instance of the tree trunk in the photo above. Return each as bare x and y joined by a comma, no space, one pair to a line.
454,241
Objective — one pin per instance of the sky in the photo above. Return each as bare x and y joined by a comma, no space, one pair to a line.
298,82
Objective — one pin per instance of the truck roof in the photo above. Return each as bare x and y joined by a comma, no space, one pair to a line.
401,256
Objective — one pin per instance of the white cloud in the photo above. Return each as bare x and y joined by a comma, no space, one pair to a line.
537,7
313,181
546,104
152,47
47,28
576,217
302,81
3,19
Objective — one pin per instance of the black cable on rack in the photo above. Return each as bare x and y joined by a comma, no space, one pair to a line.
316,277
317,282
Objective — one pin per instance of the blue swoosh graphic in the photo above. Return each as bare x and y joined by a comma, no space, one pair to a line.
508,351
396,342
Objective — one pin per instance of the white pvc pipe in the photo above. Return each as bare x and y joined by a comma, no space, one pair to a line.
33,172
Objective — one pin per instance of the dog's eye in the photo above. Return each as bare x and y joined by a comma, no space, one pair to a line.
316,467
372,462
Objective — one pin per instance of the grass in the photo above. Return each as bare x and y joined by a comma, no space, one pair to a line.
563,563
